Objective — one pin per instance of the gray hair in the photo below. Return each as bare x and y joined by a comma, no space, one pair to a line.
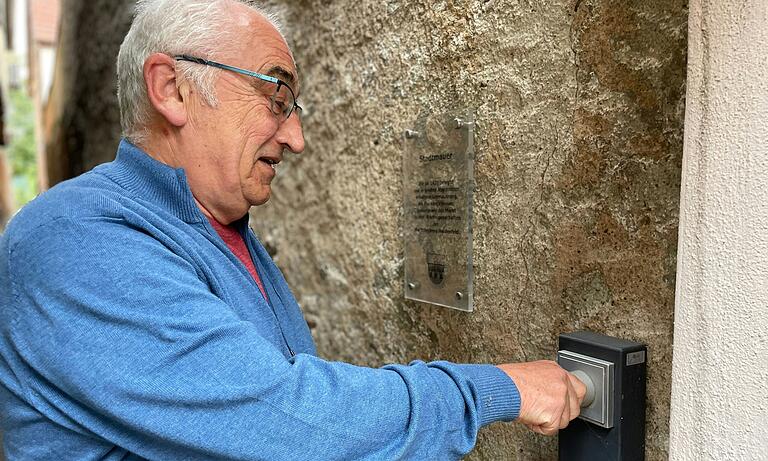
195,27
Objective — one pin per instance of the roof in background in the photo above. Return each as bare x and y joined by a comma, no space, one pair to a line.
44,18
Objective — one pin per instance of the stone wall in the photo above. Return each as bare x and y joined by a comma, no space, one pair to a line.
579,111
579,108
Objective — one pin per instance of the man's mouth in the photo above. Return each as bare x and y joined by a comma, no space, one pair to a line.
270,161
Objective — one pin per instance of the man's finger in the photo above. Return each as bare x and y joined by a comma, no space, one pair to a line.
574,402
552,424
579,387
549,430
535,428
565,416
574,409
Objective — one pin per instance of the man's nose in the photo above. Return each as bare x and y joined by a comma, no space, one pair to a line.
291,135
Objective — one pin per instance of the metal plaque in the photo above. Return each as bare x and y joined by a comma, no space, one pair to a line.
635,358
438,184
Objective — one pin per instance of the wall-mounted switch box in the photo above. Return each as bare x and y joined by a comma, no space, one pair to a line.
598,375
612,426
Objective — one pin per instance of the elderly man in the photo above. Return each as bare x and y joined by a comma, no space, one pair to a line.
142,319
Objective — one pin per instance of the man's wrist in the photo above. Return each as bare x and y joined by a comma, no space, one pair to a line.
498,398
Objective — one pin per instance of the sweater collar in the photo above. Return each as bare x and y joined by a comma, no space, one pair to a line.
153,181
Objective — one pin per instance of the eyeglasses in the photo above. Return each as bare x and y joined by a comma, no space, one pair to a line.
283,101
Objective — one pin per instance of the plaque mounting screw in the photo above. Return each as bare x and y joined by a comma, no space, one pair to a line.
411,286
459,295
410,134
460,123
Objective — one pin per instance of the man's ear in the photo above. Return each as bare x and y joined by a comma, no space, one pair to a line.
162,88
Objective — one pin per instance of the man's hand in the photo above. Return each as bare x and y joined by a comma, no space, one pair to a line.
550,396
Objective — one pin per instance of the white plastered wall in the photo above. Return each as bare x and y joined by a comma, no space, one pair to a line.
720,365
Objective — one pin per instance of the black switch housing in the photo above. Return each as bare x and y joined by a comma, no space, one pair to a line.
625,441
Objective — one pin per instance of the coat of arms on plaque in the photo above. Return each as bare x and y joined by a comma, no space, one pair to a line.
436,268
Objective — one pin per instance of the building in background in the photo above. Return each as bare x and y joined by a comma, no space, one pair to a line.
28,42
17,48
43,20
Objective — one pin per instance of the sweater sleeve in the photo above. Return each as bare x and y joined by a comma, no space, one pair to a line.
127,343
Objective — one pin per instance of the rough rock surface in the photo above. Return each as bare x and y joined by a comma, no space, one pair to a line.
579,107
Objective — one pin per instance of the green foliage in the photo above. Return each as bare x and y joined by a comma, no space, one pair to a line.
21,151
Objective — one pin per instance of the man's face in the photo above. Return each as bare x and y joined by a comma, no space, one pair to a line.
241,141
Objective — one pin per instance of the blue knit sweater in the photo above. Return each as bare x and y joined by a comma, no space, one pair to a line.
128,330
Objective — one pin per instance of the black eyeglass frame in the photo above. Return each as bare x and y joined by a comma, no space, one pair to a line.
286,111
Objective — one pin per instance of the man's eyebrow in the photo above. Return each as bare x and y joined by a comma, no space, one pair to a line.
282,73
